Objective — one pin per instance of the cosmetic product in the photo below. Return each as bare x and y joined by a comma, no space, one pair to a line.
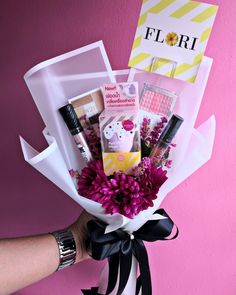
76,130
92,139
89,103
94,121
157,100
167,136
119,127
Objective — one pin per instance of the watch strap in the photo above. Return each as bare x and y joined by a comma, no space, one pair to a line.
67,247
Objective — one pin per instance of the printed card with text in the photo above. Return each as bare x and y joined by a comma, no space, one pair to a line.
171,37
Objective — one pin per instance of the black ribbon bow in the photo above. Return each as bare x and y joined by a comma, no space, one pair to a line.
119,246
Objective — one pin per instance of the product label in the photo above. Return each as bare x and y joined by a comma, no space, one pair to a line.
119,126
171,37
120,162
174,40
84,152
121,96
90,109
120,134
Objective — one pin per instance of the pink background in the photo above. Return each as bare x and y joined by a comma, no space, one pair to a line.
202,260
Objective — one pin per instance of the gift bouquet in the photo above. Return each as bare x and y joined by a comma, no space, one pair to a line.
120,175
119,142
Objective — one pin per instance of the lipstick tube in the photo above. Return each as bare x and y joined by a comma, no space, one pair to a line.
167,136
76,130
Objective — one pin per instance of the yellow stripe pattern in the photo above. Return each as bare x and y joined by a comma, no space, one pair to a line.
182,11
136,159
207,13
155,9
142,19
161,6
192,79
205,35
137,42
120,161
138,58
157,66
185,67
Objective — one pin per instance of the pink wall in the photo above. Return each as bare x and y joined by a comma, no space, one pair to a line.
202,260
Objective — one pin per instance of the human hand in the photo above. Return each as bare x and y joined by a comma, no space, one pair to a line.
80,233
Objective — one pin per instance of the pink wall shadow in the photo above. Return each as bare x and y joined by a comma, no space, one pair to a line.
202,260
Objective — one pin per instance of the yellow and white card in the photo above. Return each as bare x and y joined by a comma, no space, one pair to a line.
171,37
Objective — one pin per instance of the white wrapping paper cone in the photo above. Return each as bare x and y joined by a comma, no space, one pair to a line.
52,165
53,82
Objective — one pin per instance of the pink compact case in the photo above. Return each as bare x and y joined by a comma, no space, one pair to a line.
157,100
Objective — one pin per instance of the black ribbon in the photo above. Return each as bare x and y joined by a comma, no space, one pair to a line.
92,291
119,246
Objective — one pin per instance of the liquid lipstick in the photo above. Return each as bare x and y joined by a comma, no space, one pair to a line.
76,130
167,136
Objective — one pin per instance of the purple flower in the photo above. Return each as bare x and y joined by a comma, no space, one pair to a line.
164,120
122,193
164,160
168,163
91,178
145,129
157,131
151,177
149,137
72,173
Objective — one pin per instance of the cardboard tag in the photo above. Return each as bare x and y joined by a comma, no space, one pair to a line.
171,37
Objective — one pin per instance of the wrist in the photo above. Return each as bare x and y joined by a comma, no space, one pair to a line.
66,246
77,237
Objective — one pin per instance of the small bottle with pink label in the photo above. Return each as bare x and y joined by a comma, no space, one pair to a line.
119,127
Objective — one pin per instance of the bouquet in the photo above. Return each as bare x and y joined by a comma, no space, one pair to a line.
118,167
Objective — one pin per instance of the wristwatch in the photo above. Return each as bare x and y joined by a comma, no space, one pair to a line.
67,247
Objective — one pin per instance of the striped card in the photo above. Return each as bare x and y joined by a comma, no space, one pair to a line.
171,37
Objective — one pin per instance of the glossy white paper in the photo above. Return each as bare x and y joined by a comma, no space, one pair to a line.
53,82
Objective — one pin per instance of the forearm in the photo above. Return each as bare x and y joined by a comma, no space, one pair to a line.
24,261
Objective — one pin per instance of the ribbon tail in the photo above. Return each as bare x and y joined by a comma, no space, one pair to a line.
125,267
92,291
113,272
138,285
176,234
141,255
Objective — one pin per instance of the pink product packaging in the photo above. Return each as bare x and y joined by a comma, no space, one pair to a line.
119,127
157,100
155,103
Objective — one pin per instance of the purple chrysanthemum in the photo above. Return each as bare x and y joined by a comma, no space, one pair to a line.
91,178
149,175
122,193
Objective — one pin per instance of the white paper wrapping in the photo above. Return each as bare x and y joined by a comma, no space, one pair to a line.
53,82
